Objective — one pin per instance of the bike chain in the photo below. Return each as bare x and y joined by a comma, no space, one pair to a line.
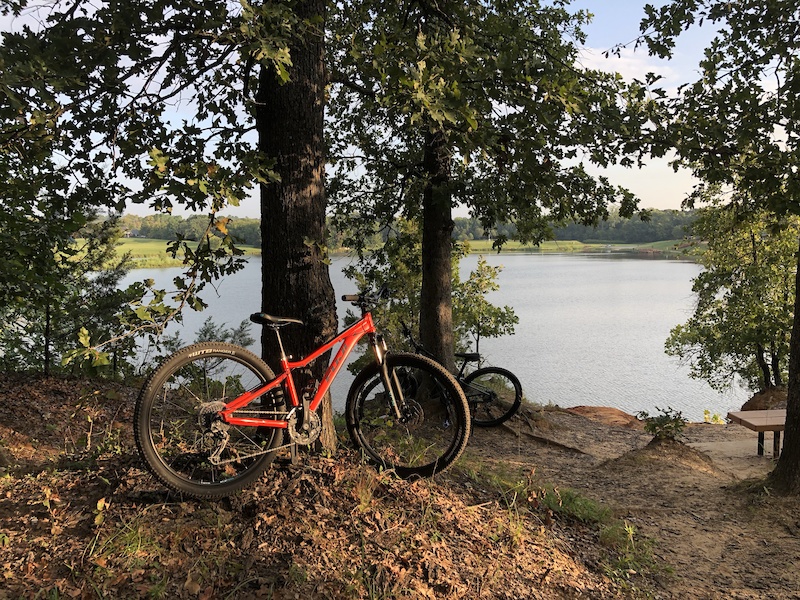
316,428
242,457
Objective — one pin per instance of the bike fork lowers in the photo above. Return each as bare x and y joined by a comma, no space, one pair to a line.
390,380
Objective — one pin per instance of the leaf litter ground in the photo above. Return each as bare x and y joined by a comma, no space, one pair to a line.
80,518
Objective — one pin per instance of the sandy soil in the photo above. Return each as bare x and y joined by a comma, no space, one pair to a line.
703,501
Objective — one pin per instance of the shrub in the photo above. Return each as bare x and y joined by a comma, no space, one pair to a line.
666,426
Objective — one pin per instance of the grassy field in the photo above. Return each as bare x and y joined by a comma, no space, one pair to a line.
149,253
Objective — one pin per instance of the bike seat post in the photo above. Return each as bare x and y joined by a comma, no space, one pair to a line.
461,369
277,331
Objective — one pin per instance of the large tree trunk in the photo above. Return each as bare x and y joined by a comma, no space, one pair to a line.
786,476
295,278
436,298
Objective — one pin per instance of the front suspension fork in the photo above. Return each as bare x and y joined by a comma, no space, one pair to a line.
390,380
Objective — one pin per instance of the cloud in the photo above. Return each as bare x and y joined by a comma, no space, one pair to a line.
633,64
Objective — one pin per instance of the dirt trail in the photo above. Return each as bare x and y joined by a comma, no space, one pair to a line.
702,501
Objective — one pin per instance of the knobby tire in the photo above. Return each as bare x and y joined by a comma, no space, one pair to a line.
177,428
494,395
435,424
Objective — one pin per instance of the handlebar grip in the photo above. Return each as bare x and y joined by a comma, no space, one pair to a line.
351,297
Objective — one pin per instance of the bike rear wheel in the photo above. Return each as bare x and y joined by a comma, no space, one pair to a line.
181,436
493,395
433,425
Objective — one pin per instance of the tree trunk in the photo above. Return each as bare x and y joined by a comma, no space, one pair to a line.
762,364
776,366
436,298
786,476
295,279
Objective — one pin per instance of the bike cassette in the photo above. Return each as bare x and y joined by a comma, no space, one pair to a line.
306,432
215,435
207,413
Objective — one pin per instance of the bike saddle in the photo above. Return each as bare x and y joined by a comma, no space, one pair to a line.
468,356
272,321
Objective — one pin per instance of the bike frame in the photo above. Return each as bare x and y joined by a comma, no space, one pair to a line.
348,340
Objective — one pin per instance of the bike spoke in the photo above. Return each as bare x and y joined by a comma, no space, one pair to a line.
433,425
180,432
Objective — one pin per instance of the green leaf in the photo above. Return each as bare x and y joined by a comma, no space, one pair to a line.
143,313
101,359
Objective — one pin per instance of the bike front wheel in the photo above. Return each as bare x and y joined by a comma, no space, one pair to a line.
178,429
493,395
411,417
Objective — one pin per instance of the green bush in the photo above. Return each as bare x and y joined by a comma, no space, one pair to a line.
667,425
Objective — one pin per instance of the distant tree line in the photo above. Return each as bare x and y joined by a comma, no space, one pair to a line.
167,227
662,225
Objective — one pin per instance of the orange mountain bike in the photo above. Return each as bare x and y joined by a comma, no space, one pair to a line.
212,417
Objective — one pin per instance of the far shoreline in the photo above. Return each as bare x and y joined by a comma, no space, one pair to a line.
150,253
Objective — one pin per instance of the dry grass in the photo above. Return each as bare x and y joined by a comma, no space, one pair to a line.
81,519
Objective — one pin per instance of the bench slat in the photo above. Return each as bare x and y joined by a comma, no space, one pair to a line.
760,420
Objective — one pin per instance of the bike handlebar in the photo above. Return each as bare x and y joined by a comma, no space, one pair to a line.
365,298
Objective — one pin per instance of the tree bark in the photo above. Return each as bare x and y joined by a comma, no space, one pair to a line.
295,278
436,297
776,367
762,364
786,476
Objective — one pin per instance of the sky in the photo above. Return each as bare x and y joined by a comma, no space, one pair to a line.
615,22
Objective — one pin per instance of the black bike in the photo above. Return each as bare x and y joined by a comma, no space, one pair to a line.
494,394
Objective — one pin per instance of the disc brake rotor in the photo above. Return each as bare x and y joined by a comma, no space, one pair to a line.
413,414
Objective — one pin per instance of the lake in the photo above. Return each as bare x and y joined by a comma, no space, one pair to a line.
591,328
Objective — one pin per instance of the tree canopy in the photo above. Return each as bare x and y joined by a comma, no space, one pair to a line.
745,298
735,127
476,103
111,103
502,80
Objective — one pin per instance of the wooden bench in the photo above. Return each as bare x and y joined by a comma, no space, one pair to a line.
761,421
